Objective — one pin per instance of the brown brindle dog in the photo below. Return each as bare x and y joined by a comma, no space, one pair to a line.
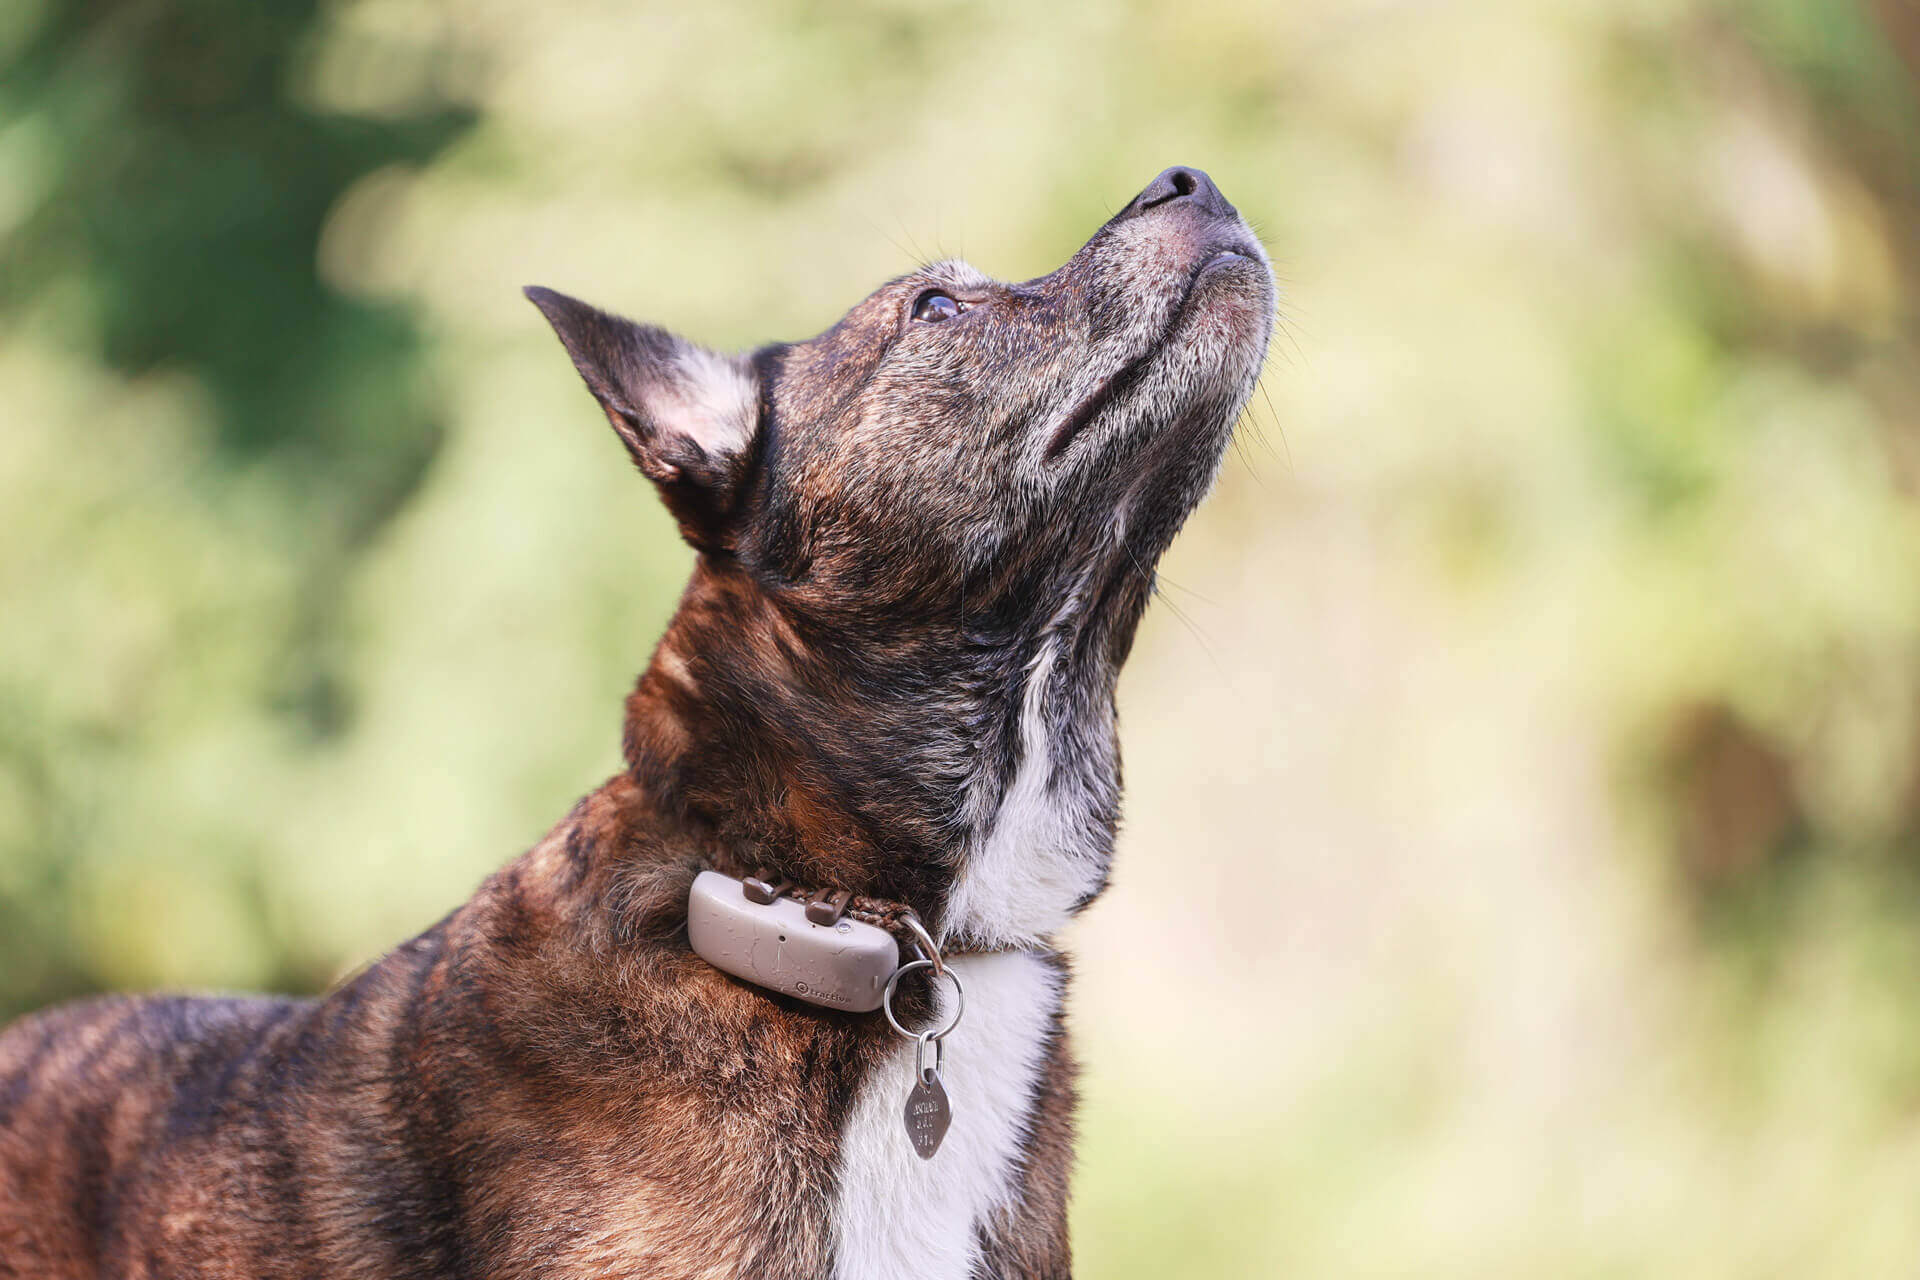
924,540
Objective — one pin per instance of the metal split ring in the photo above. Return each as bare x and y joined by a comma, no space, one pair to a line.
959,1004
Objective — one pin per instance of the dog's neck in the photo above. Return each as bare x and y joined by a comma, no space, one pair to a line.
974,778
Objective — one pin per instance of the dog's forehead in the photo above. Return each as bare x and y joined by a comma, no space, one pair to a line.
823,369
877,317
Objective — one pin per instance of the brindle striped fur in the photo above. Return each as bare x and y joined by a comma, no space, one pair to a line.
923,552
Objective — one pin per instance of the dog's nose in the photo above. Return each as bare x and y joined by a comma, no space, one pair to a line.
1179,184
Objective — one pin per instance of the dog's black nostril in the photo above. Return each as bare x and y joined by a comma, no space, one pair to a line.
1181,184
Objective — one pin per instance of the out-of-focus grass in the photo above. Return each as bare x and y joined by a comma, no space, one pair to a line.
1524,778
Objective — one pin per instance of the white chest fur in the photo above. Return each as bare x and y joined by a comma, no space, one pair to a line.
897,1215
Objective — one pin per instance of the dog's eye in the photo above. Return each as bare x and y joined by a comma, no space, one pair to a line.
935,306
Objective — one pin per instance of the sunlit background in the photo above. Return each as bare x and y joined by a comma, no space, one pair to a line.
1522,869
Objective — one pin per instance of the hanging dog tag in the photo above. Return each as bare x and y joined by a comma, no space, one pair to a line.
928,1112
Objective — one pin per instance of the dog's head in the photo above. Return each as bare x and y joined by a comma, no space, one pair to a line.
954,445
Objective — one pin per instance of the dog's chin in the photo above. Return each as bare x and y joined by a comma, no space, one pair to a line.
1216,304
1212,348
1230,302
1190,393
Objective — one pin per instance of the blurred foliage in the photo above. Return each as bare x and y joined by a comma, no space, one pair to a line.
1552,646
166,196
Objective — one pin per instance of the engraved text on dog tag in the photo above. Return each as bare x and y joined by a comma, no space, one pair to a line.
928,1114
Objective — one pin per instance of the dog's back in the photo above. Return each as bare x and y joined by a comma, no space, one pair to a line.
208,1136
192,1136
98,1098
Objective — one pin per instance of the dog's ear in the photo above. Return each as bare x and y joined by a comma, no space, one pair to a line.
687,415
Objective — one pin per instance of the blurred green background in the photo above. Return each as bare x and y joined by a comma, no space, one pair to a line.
1522,875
